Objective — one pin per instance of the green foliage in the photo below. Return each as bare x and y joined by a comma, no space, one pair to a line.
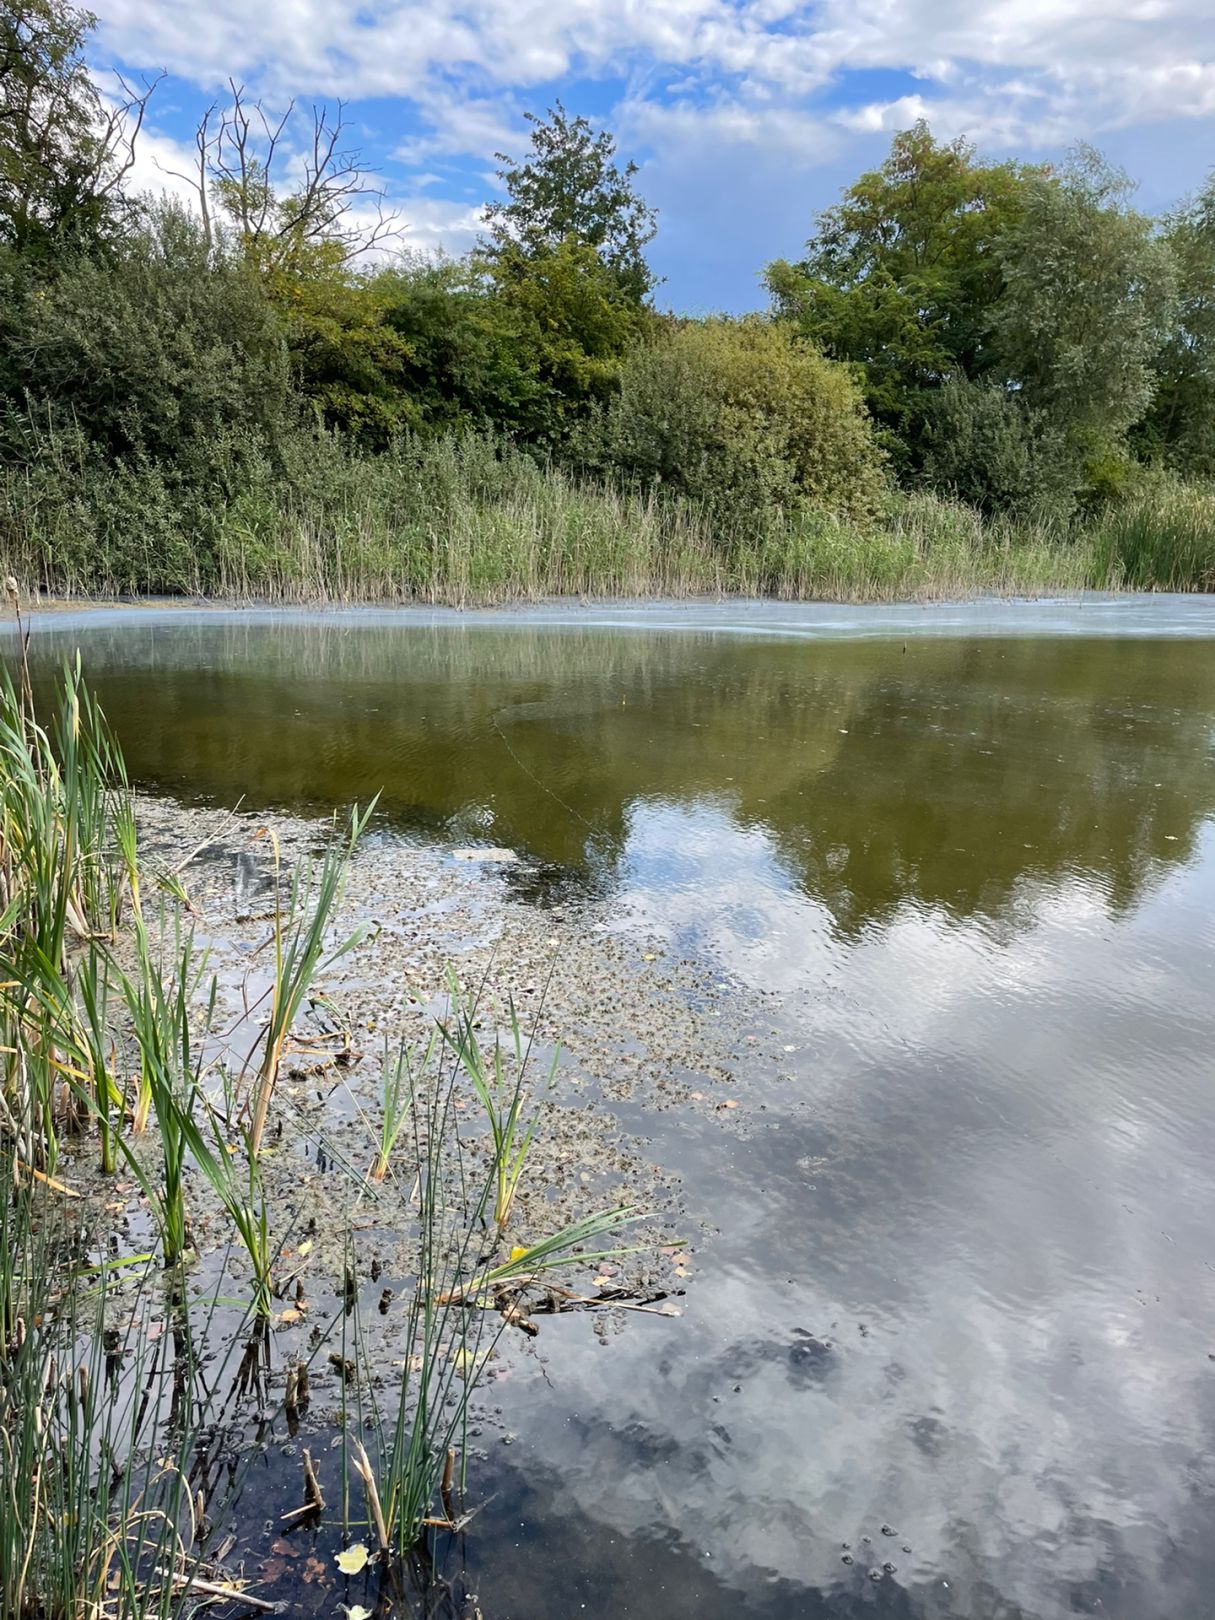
580,325
570,190
63,156
1088,293
985,445
902,274
1180,426
1161,538
498,1084
155,352
745,419
347,357
471,354
233,403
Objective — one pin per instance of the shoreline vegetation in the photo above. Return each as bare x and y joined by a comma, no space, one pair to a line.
165,1294
469,522
978,377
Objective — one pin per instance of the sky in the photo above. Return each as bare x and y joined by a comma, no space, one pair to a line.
746,117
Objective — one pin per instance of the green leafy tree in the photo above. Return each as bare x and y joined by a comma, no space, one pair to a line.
902,275
570,189
1088,295
347,359
580,322
473,357
1180,425
64,153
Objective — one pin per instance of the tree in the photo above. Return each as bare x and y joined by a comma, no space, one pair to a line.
744,418
299,207
571,189
985,445
1088,295
902,275
473,357
580,324
1180,425
64,153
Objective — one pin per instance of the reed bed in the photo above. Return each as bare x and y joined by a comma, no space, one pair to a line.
473,520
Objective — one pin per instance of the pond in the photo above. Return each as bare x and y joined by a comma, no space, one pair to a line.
948,1343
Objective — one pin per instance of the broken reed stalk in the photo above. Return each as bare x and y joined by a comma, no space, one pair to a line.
315,1498
362,1467
311,1484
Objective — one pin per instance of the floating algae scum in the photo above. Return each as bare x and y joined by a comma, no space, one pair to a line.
873,950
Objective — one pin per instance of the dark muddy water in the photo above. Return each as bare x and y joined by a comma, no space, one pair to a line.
953,1308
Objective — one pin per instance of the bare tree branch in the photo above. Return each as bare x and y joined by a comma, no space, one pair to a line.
286,200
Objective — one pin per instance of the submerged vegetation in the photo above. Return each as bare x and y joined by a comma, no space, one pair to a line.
123,1357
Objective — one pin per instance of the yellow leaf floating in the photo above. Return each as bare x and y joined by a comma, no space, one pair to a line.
356,1611
353,1559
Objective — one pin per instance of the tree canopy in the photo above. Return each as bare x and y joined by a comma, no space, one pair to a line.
902,273
570,189
64,153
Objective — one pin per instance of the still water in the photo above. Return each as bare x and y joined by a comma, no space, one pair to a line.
957,1292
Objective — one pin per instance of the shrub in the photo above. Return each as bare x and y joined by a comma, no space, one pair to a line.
985,446
155,350
744,418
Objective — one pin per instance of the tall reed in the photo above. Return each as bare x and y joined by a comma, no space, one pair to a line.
301,919
499,1086
467,519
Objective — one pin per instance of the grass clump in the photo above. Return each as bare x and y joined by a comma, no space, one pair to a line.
300,923
499,1086
1160,538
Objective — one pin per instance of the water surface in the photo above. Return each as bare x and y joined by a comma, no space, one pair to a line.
959,1277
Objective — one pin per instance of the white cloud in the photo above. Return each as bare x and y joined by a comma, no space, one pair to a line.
1089,65
724,101
433,225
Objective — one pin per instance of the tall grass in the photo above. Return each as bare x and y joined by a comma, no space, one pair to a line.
468,520
301,921
1162,538
499,1083
105,1409
62,881
458,1306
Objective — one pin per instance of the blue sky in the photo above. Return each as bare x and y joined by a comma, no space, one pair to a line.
746,116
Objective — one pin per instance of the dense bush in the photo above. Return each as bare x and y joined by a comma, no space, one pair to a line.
745,419
155,350
984,445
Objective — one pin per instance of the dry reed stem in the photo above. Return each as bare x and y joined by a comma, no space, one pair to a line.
363,1468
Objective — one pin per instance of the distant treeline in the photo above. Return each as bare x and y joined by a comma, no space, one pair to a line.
978,374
